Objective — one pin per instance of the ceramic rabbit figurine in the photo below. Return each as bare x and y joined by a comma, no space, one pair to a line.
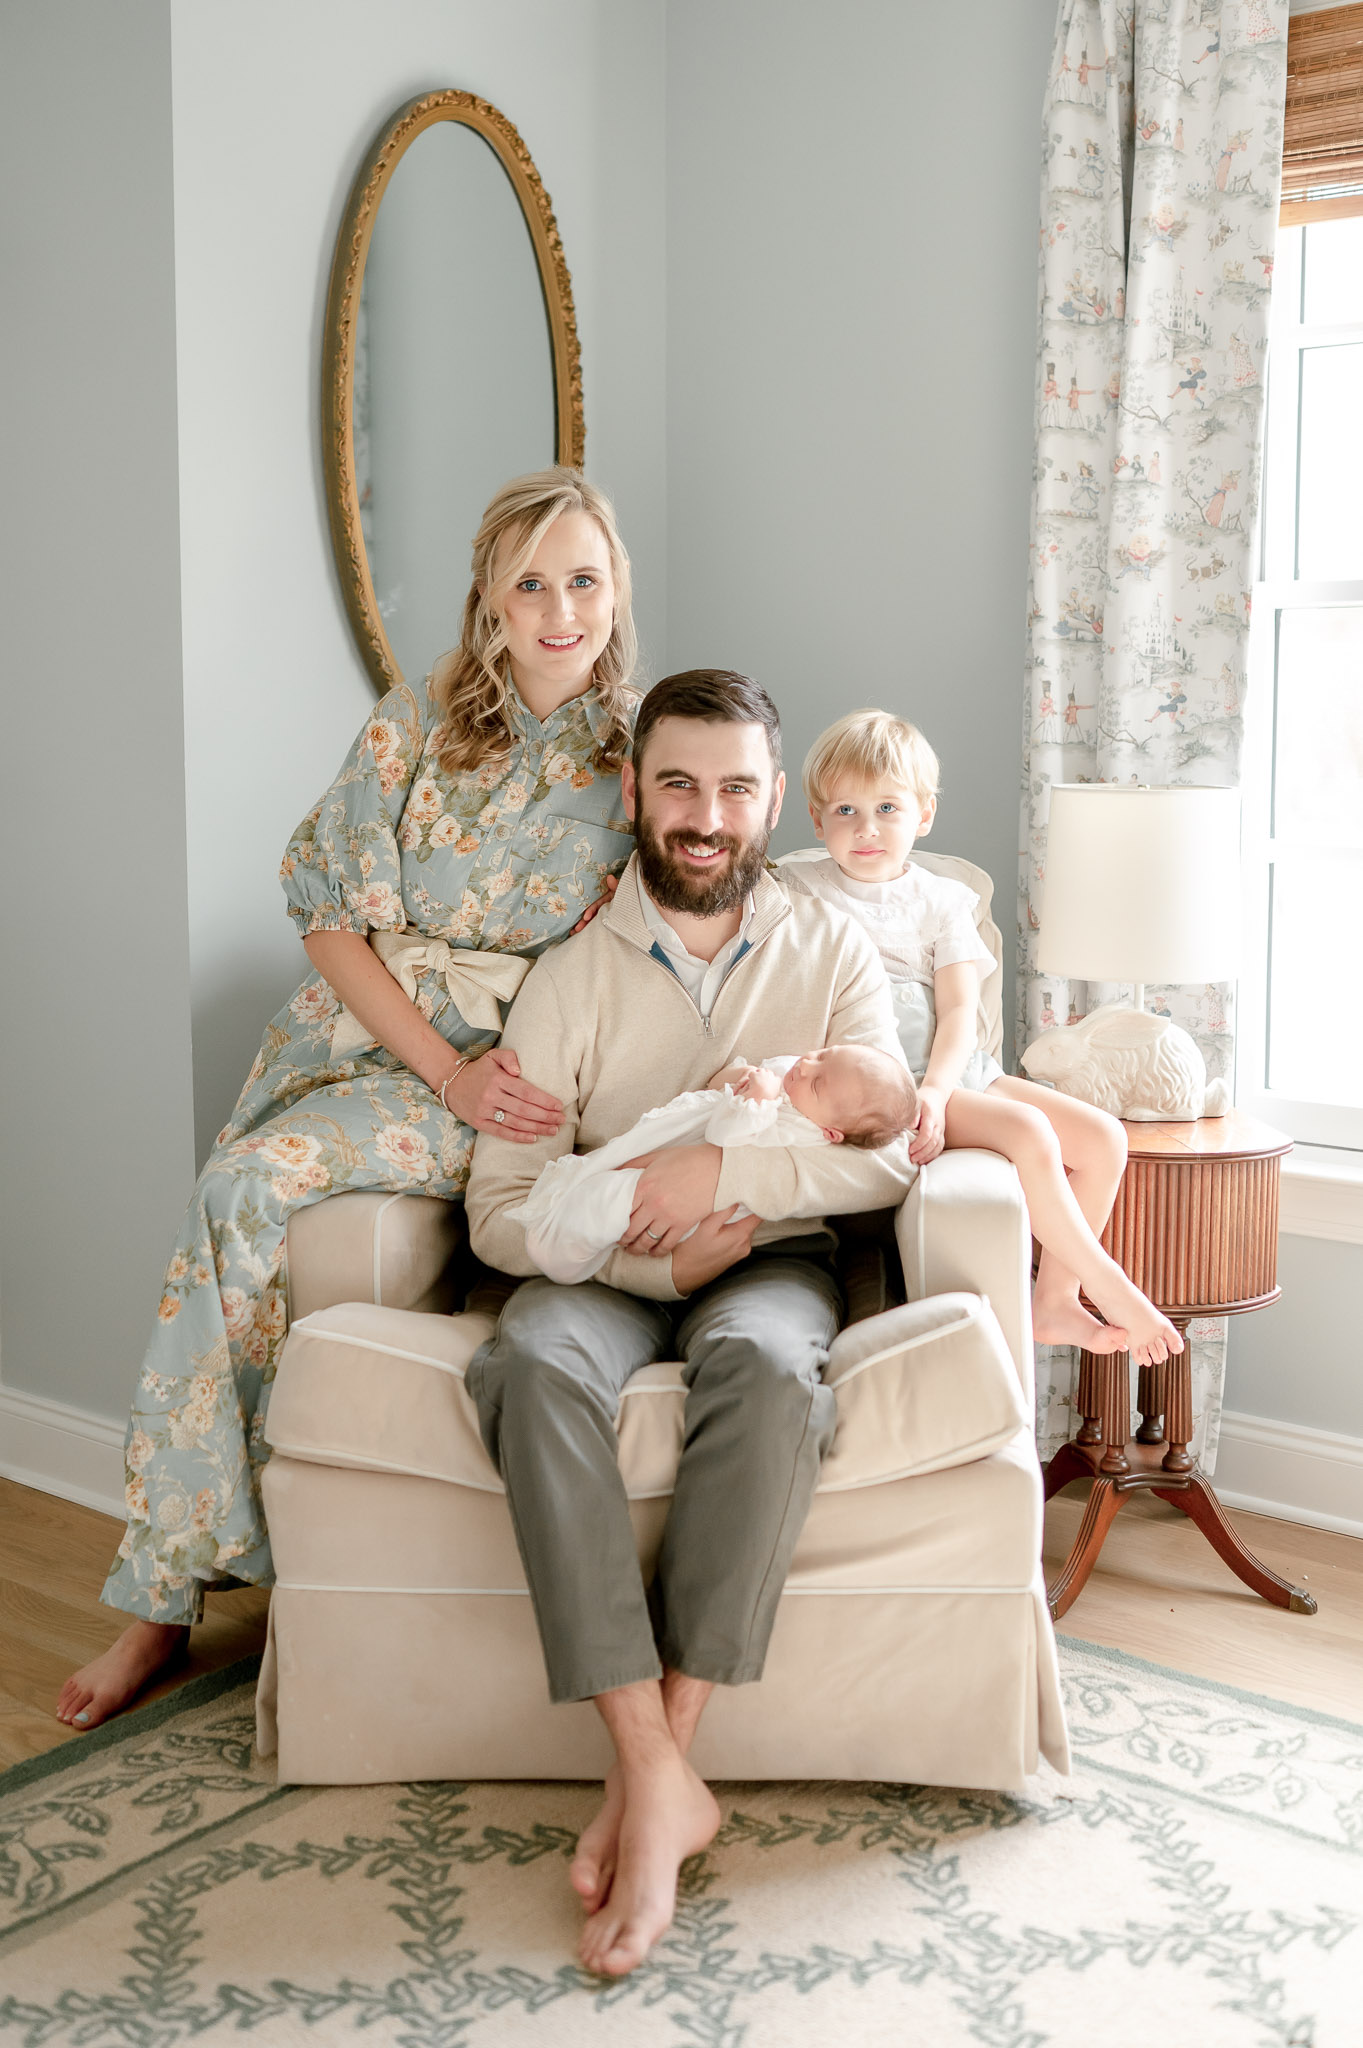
1145,1068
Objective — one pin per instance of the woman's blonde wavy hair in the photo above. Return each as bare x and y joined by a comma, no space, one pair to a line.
471,681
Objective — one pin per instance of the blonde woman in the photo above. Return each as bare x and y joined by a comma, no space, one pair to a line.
482,809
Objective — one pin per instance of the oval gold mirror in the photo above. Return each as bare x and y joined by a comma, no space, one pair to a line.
450,363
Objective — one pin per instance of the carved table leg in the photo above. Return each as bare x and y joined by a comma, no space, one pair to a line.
1099,1513
1116,1384
1090,1399
1150,1402
1067,1464
1201,1506
1178,1404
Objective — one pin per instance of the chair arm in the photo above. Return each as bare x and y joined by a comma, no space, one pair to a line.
963,1226
399,1251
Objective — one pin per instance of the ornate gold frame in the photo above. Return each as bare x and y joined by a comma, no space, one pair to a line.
338,346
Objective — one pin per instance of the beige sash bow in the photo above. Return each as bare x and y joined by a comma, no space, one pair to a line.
476,982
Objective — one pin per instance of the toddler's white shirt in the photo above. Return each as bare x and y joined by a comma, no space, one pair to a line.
918,922
579,1208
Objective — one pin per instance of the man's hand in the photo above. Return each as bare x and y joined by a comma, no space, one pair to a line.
930,1131
676,1190
715,1245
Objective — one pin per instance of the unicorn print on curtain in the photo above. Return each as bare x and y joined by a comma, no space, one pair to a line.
1161,164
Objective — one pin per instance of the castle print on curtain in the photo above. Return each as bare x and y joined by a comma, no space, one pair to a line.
1162,151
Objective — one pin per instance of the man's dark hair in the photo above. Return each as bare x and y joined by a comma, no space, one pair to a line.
718,696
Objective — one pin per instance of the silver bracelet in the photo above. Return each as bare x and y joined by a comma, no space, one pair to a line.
453,1075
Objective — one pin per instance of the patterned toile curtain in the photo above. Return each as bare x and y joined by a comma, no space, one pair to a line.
1159,204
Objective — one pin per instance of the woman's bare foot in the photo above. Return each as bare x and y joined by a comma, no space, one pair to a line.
669,1814
593,1864
107,1685
1062,1319
1152,1337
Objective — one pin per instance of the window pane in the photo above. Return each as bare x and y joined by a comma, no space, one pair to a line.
1333,264
1318,735
1329,503
1315,995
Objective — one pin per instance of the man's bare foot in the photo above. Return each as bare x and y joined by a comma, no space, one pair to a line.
1152,1337
112,1681
669,1815
1062,1319
593,1864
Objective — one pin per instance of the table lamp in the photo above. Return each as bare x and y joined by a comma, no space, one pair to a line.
1141,885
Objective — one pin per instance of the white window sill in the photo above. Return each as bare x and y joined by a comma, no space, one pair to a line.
1322,1194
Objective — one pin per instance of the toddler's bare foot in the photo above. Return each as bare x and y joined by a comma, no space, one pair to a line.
1152,1336
668,1815
593,1865
112,1681
1061,1319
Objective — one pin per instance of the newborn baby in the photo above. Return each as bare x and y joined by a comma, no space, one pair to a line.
579,1208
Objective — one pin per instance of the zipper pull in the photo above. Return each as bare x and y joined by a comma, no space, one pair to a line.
709,1028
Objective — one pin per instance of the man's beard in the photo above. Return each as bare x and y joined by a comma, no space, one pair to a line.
674,887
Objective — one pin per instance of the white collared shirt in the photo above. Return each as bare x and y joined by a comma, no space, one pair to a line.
700,978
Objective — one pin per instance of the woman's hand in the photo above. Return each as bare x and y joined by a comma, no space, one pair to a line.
493,1082
716,1244
676,1191
608,889
930,1131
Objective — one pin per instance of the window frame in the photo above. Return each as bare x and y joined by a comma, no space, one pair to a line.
1278,590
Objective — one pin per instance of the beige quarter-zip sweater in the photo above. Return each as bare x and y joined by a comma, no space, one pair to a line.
603,1023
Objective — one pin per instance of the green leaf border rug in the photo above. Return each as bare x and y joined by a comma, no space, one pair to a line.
1199,1880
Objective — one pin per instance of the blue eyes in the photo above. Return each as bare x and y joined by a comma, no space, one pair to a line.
849,811
532,584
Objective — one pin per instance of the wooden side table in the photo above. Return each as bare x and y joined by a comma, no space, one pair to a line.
1195,1225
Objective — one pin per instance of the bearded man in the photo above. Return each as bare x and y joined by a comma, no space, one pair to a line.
700,958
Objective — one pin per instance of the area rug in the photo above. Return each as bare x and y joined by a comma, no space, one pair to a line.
1199,1880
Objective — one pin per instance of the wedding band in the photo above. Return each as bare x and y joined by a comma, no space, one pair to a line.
654,1234
499,1116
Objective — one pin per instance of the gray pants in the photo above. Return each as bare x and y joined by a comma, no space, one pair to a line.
759,1420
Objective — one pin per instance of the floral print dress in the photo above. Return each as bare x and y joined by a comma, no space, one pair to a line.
502,858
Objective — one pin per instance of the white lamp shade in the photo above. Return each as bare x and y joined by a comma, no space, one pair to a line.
1141,884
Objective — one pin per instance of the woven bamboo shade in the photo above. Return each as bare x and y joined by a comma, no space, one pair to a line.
1323,118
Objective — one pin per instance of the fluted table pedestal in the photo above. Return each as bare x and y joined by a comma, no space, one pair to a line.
1195,1225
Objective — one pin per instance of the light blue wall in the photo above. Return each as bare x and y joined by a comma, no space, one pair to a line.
1301,1361
852,211
275,106
95,1112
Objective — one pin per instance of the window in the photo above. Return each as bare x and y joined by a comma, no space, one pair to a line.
1300,1056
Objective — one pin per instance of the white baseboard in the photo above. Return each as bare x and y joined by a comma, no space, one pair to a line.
1294,1474
61,1450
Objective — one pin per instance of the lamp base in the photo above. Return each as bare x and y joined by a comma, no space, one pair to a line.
1146,1069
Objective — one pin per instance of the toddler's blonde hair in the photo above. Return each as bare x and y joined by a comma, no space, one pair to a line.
870,746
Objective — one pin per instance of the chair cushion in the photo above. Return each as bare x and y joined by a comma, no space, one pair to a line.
919,1388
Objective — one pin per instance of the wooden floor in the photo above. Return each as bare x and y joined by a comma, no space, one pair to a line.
1158,1592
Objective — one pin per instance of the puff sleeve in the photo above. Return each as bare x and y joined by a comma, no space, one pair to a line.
340,871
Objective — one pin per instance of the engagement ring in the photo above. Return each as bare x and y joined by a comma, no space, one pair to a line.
499,1116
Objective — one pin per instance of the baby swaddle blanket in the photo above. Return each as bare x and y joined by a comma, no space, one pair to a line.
579,1208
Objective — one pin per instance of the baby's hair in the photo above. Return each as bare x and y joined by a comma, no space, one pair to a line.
894,1111
871,746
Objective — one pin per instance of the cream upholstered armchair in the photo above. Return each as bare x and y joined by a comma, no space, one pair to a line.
913,1641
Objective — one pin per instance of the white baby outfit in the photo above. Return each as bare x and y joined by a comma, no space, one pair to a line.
919,922
579,1208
